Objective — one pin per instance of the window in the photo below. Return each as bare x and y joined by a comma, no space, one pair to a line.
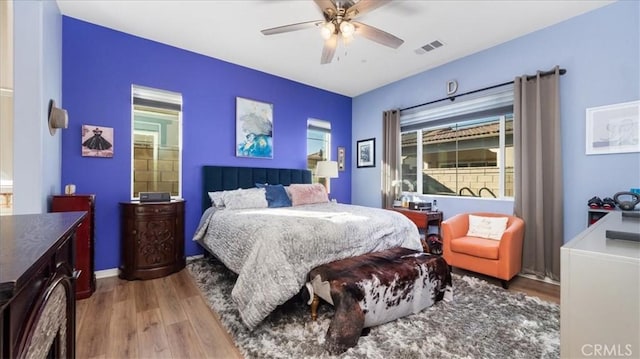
6,107
318,145
156,141
463,149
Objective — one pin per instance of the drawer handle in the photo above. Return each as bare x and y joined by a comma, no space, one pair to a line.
134,232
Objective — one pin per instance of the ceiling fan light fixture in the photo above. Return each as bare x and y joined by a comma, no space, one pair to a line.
327,29
347,29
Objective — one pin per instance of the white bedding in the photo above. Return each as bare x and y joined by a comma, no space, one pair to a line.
273,249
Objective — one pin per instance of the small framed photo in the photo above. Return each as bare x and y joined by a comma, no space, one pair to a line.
97,141
366,153
341,158
613,129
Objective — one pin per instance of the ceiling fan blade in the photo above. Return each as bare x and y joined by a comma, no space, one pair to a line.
377,35
329,49
328,8
364,6
292,27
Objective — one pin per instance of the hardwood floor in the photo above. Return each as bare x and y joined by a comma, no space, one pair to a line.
160,318
543,290
169,318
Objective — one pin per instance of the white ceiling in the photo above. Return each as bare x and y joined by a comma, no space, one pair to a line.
230,30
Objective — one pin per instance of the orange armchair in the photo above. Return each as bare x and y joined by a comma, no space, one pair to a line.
500,259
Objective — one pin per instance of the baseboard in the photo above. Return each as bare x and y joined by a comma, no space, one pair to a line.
545,280
106,273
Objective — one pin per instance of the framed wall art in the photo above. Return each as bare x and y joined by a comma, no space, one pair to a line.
254,128
341,158
613,129
97,141
366,153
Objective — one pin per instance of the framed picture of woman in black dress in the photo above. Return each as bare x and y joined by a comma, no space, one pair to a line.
97,141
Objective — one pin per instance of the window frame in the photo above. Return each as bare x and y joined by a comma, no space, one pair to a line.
160,97
493,103
321,126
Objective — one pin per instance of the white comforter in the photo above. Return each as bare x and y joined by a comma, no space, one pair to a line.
273,249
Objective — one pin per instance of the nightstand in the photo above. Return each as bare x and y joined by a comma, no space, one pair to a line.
422,219
152,239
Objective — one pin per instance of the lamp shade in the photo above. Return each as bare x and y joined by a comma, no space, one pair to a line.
328,169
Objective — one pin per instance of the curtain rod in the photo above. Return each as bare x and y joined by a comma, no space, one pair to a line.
452,98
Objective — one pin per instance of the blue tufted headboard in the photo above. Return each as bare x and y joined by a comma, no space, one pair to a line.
221,178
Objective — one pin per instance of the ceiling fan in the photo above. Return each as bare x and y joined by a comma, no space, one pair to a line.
338,22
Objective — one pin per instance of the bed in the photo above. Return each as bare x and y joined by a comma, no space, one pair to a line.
273,249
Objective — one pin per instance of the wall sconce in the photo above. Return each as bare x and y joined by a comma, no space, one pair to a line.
57,118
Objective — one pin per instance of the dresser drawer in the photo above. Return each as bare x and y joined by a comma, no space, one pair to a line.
152,239
156,209
64,253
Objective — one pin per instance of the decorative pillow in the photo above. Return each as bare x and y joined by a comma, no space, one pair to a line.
276,195
487,227
308,194
245,198
217,199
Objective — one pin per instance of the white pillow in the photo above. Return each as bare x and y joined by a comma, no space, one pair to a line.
217,199
487,227
246,198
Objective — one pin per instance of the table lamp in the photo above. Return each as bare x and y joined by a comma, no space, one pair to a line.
327,169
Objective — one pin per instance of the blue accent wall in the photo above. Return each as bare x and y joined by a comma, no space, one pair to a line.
601,52
99,67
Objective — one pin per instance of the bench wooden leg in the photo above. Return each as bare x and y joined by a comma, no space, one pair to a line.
314,307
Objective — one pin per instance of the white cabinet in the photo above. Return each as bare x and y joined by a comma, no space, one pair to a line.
600,292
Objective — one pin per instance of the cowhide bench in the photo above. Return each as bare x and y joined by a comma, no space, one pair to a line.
376,288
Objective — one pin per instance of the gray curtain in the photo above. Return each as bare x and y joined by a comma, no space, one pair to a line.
390,155
538,172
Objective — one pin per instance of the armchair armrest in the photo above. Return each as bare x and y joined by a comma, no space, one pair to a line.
455,227
511,246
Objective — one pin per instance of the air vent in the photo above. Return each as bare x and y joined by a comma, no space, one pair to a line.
429,47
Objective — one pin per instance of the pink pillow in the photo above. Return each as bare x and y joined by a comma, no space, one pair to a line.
308,194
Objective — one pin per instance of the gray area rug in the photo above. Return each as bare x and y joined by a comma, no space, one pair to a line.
483,321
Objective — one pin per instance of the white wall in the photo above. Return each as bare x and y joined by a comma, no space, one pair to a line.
37,78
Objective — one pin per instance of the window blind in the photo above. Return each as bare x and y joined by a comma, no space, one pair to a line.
494,102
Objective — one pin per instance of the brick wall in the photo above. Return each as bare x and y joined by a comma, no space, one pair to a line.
159,175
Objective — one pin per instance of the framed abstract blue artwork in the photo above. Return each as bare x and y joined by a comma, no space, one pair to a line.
254,128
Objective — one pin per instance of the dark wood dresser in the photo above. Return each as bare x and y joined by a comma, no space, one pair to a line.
86,282
37,285
152,239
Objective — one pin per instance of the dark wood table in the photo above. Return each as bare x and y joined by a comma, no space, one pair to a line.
422,219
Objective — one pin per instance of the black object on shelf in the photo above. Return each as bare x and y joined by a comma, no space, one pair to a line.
626,236
634,215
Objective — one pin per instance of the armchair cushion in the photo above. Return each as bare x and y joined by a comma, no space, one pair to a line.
477,247
487,227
